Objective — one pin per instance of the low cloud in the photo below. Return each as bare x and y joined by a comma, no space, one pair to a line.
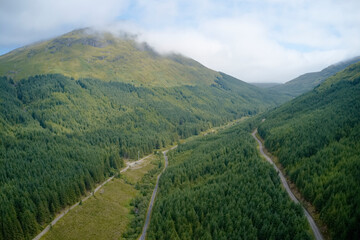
23,22
256,41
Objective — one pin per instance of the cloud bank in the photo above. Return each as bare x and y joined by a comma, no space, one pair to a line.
253,40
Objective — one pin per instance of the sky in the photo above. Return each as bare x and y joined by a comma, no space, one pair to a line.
253,40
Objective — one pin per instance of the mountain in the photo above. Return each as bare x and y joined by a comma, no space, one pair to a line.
87,53
316,137
308,81
74,107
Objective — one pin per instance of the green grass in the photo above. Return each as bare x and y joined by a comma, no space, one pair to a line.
134,174
108,214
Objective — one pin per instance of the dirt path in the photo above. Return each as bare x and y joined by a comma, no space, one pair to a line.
148,214
311,221
65,211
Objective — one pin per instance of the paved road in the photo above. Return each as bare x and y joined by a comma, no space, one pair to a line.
311,221
148,214
64,212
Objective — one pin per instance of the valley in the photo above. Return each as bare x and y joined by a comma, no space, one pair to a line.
77,110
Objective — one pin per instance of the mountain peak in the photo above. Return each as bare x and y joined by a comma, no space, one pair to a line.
107,56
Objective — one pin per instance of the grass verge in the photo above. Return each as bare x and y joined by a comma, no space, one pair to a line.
108,214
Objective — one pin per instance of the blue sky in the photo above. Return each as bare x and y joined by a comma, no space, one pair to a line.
253,40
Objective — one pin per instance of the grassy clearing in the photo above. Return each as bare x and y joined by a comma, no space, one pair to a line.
135,173
108,214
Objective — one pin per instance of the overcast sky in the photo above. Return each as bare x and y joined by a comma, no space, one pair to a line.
253,40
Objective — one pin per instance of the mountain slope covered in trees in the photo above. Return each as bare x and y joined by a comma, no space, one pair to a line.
218,187
60,136
317,139
62,133
308,81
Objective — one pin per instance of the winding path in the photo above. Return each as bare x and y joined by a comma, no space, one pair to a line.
148,214
311,221
65,211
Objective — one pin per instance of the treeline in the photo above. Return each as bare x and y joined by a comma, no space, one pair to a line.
60,136
218,187
317,139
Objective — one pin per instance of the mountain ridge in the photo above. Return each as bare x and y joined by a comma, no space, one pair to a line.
306,82
88,53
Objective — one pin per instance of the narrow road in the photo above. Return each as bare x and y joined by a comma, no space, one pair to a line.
65,211
148,214
311,221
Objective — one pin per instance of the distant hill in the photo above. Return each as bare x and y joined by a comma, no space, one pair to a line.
73,107
308,81
265,85
317,139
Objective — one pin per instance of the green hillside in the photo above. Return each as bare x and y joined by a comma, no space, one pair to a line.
76,106
218,187
87,53
308,81
60,136
317,139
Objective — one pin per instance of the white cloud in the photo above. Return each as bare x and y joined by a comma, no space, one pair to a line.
24,21
274,42
254,40
244,48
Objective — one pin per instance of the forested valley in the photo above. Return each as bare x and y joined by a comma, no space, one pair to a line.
317,139
218,187
60,136
74,108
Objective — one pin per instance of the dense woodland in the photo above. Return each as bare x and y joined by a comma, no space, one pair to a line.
60,136
317,139
218,187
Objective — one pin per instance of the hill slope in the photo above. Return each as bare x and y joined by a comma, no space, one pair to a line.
265,85
317,139
308,81
62,133
86,53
